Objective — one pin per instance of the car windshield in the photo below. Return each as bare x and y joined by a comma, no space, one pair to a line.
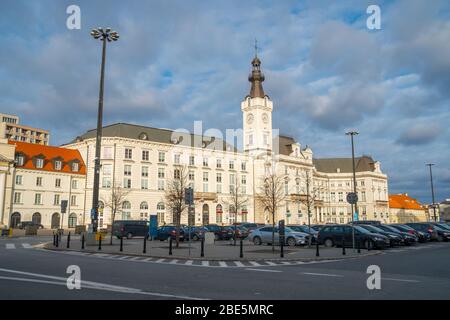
362,230
403,227
288,229
374,229
391,228
443,226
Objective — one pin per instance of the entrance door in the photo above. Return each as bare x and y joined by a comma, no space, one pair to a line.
205,214
55,220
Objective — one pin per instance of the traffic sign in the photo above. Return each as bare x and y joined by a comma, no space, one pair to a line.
352,198
355,216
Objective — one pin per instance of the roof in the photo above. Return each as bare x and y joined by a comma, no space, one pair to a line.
50,153
403,201
133,131
345,165
285,145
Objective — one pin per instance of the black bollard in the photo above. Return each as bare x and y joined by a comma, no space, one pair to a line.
170,246
100,242
82,241
317,247
343,246
121,244
359,245
54,240
145,245
282,247
241,253
68,240
57,240
202,253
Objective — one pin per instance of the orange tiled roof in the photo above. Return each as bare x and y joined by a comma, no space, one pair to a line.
402,201
67,156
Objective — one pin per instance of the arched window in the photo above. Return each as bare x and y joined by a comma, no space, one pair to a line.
72,220
144,208
160,212
36,218
205,214
219,214
232,213
56,220
126,210
15,219
144,205
244,213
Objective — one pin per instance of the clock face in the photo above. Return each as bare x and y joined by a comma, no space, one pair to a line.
250,118
265,118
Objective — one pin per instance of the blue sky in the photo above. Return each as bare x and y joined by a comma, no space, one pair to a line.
180,61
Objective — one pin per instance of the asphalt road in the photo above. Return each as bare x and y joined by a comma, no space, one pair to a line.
420,272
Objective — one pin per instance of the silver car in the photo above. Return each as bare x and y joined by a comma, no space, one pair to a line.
264,235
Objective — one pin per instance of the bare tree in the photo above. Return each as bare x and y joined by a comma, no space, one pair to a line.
114,202
236,200
271,196
175,196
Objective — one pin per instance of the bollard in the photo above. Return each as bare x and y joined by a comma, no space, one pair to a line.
282,247
68,240
57,240
121,244
202,253
145,245
359,245
54,240
241,253
343,246
82,241
317,247
100,242
170,246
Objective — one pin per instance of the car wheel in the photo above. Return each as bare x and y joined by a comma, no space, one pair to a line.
328,243
440,239
257,241
368,243
129,235
195,237
291,242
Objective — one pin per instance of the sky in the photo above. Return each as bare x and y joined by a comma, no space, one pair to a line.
181,61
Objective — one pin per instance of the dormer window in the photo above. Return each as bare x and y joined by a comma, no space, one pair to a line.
75,167
58,165
39,163
20,160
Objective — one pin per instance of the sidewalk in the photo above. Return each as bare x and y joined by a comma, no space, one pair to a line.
220,251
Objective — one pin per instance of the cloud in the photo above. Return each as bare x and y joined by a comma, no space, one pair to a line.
419,134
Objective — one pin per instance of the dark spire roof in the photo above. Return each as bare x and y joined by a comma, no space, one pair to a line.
256,78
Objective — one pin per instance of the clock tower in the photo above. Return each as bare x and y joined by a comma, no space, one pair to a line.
257,114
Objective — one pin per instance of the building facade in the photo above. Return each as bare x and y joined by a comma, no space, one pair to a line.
11,129
404,209
39,179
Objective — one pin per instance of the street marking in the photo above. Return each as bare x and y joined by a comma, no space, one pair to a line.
239,264
205,263
262,270
223,264
160,260
123,258
173,261
189,262
26,246
147,259
10,246
254,263
322,274
270,263
134,258
401,280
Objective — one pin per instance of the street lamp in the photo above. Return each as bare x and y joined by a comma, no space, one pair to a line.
104,35
432,191
351,134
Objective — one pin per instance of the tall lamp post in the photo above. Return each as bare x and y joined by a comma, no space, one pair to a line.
352,134
104,35
432,191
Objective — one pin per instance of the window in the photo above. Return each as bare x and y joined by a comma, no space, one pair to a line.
126,207
106,182
363,196
107,153
17,198
38,198
58,165
177,174
160,211
127,183
58,183
75,167
145,155
161,173
144,206
341,196
244,179
205,181
191,160
205,177
231,165
219,188
144,184
39,181
232,178
161,156
160,184
20,159
219,178
333,197
128,153
191,175
250,139
205,162
144,172
265,138
362,183
73,200
176,159
39,163
72,220
127,170
243,166
107,169
19,180
219,163
74,184
286,187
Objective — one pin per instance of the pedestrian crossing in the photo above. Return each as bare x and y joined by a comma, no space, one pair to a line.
12,246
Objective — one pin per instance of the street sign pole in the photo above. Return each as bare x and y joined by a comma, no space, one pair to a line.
189,200
352,198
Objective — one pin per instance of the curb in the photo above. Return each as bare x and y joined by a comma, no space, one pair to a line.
49,246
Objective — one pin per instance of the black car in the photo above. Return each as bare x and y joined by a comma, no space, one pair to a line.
422,236
336,235
220,232
317,227
442,230
24,224
366,222
130,228
196,233
427,228
408,239
167,231
394,238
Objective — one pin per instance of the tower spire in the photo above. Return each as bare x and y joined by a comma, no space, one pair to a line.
256,77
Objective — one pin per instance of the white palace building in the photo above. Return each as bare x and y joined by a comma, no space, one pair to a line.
142,160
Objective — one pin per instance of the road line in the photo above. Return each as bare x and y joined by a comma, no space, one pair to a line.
254,263
322,274
205,263
401,280
223,264
10,246
147,259
26,246
175,261
239,264
270,263
160,260
262,270
123,258
134,258
189,262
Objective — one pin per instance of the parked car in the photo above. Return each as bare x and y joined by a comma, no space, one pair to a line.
366,222
220,232
408,239
130,228
250,226
165,232
196,233
239,231
442,230
303,228
336,235
264,235
24,224
395,239
317,227
425,227
422,236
